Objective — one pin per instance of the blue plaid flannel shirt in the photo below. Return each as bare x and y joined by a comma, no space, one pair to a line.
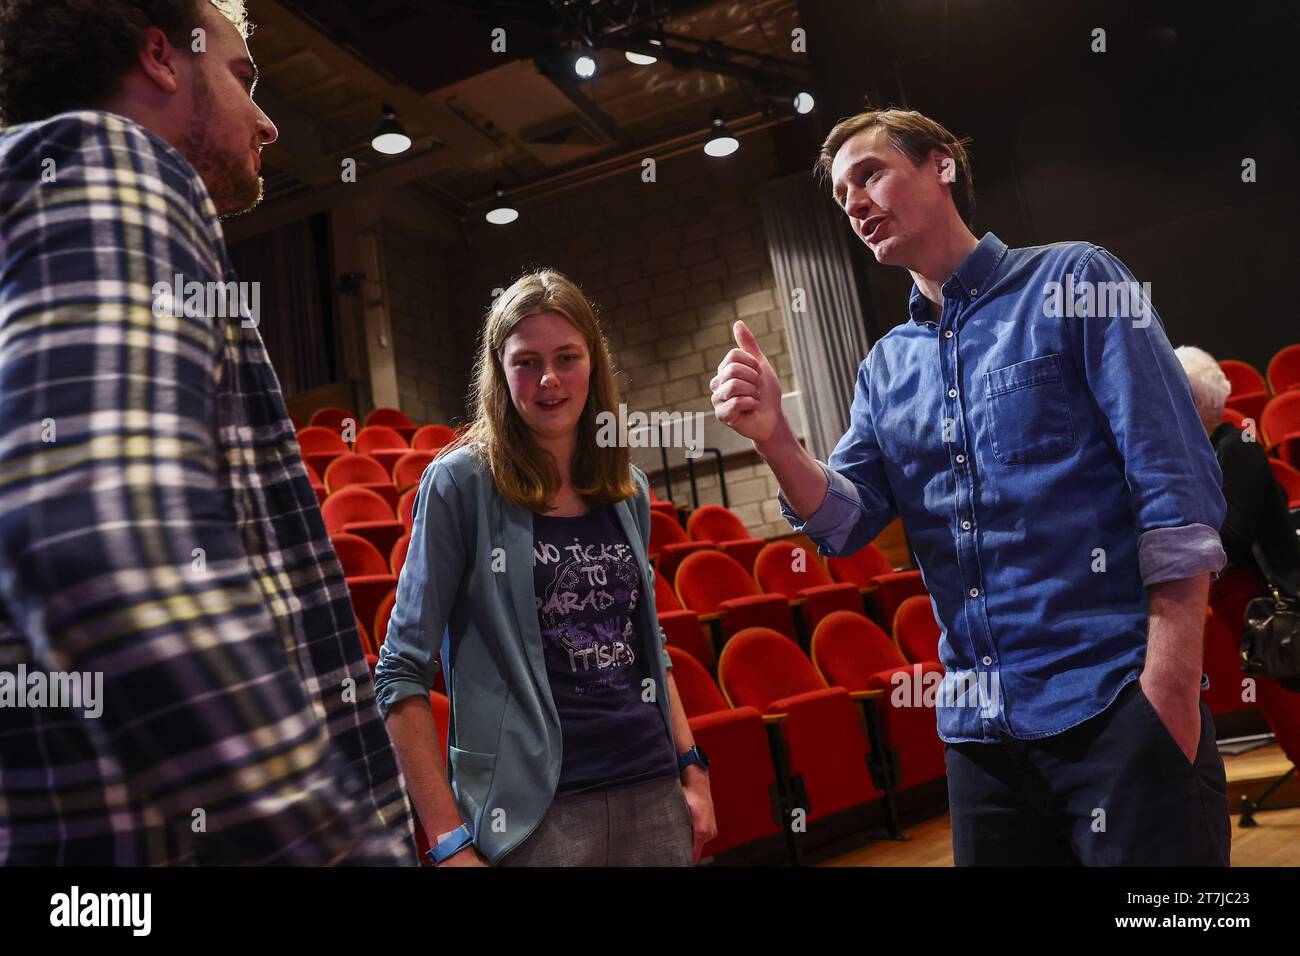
157,527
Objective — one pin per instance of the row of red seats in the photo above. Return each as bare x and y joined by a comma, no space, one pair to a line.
1274,404
335,418
1251,390
790,591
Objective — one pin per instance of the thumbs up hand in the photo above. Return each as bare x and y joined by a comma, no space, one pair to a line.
746,393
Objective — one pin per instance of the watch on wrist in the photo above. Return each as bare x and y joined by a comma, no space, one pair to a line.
695,756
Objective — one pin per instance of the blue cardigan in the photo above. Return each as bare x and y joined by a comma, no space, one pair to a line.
467,590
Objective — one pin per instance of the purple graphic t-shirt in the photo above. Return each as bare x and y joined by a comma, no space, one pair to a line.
587,587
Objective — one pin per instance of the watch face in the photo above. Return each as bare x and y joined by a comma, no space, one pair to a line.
704,758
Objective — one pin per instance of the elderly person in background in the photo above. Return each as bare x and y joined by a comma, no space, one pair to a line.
1257,508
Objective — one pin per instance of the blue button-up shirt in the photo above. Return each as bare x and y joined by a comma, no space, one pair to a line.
1043,448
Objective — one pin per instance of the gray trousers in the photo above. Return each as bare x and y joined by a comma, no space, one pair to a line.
644,824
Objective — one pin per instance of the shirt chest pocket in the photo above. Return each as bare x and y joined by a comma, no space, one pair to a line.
1029,411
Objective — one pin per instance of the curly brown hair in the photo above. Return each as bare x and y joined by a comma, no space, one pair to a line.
61,55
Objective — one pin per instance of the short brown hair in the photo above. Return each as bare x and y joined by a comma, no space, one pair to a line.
525,474
913,134
62,55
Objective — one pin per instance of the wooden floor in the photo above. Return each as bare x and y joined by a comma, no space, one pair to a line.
1275,842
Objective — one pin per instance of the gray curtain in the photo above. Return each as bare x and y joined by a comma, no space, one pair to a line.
808,240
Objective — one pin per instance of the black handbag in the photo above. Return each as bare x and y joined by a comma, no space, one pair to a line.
1270,639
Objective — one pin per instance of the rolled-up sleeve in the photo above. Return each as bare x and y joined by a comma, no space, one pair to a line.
859,501
1140,387
426,592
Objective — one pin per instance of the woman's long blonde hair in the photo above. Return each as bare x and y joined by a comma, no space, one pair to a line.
525,473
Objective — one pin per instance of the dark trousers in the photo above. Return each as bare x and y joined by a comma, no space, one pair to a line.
1115,790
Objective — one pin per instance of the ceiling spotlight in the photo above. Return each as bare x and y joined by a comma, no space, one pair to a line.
721,142
804,103
640,59
585,66
501,213
390,137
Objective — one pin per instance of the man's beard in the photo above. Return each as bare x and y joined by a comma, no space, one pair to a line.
233,190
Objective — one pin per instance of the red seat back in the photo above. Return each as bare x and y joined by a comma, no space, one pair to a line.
859,569
1281,416
699,694
353,504
1243,377
378,438
359,557
383,614
316,440
390,417
707,578
759,665
783,567
715,523
916,632
1233,417
406,507
1289,479
1284,369
397,557
431,437
665,597
354,469
664,530
410,468
847,650
332,418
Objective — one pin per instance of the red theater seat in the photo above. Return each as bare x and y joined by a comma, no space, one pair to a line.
788,569
823,733
361,471
385,445
916,632
1284,369
669,544
335,419
851,652
710,582
741,777
361,512
410,468
1279,424
368,576
721,526
431,437
320,446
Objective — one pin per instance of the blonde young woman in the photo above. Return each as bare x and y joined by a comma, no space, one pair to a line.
528,574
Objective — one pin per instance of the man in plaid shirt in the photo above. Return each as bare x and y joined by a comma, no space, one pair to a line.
157,527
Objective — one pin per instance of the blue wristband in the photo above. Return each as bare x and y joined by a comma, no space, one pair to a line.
451,844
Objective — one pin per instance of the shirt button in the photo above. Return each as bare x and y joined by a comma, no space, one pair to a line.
960,459
952,393
974,292
948,334
974,592
987,660
965,525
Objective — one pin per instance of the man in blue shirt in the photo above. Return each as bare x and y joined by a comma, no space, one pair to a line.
1034,429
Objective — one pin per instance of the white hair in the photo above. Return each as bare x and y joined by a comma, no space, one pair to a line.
1210,386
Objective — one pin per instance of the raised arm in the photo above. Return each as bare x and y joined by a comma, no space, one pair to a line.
841,506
